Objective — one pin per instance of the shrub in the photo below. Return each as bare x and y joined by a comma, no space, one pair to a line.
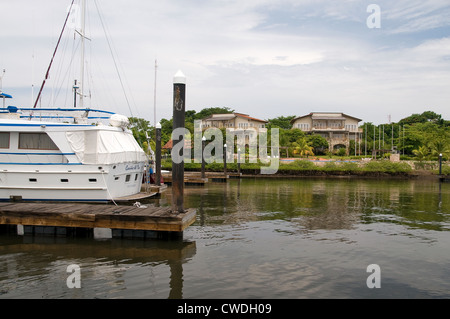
349,166
330,166
387,167
303,165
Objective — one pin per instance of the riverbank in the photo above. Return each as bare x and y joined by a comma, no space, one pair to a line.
307,168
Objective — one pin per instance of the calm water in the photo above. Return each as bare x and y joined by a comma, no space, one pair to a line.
259,238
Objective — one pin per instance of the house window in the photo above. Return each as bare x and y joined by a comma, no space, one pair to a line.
36,141
4,140
303,126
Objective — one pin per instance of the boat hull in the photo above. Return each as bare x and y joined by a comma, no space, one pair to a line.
77,183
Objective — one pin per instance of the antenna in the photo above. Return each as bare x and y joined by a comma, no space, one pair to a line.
1,79
154,96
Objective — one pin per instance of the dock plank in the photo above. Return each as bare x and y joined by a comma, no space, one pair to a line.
95,215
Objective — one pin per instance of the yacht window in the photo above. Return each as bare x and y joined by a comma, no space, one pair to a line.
4,140
92,180
127,178
64,180
36,141
33,180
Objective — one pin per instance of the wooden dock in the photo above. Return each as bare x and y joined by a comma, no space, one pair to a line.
152,188
444,179
140,196
189,180
96,216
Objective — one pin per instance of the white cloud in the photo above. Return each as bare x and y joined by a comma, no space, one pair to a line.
266,58
416,16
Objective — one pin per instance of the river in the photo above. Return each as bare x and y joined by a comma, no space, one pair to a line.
259,238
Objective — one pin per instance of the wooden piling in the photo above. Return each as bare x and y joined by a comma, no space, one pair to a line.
158,155
179,105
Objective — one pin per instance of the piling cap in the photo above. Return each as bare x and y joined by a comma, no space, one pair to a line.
179,78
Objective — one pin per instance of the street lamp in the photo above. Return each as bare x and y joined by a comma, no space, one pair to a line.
158,154
239,161
203,156
225,159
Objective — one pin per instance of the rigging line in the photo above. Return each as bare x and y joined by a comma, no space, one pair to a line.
117,69
114,60
61,79
54,53
107,189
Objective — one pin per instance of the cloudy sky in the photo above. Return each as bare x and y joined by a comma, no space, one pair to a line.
266,58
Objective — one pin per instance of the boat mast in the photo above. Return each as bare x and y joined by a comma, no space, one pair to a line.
54,53
83,23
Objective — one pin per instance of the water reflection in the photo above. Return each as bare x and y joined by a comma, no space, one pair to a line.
108,267
258,238
324,204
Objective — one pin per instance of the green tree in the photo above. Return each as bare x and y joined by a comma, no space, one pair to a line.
283,122
427,116
166,130
141,129
290,136
318,143
440,146
210,111
421,153
303,148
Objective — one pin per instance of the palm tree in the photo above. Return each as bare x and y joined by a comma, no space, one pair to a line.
303,148
421,153
440,146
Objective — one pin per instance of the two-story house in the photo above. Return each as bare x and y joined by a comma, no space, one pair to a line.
337,128
233,120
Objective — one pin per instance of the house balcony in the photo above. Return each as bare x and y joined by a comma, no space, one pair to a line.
337,130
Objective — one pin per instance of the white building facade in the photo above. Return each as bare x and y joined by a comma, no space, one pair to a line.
337,128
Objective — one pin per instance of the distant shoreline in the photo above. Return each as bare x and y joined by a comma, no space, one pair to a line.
423,175
367,175
324,169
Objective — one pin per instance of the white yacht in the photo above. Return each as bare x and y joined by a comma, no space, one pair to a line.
67,155
70,154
